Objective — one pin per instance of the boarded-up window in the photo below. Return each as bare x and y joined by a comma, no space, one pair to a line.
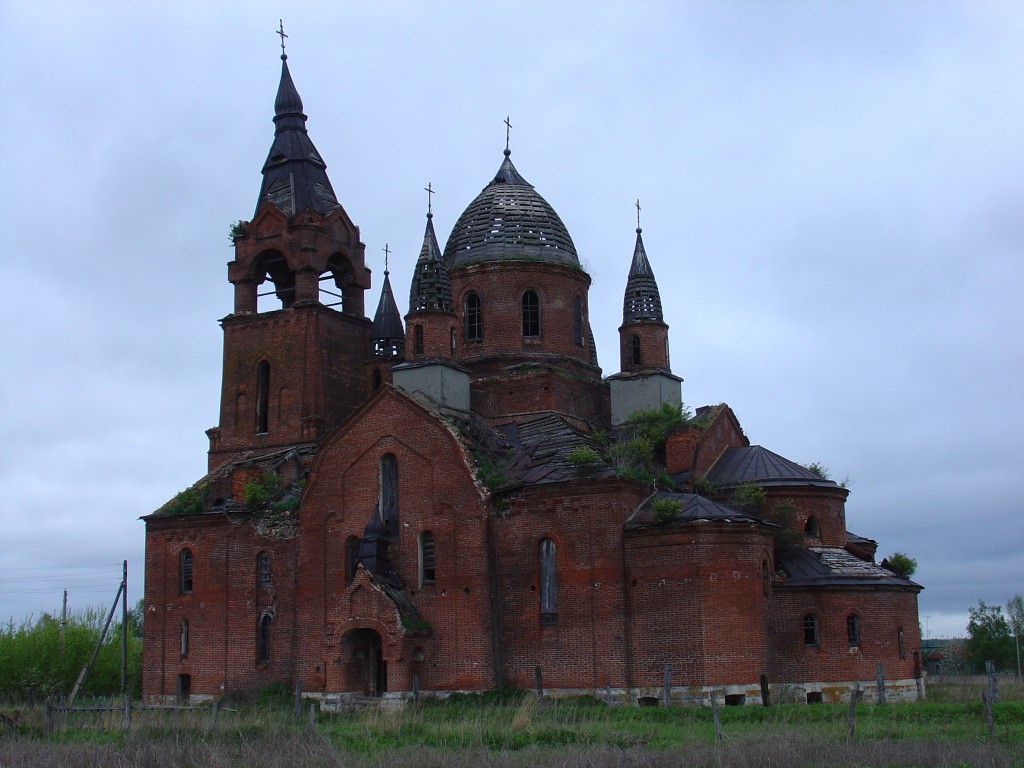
184,638
548,582
263,639
262,396
531,314
417,339
899,642
263,569
351,558
428,559
185,571
577,321
853,630
388,498
474,318
810,630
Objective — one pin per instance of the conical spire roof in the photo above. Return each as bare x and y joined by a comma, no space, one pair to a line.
642,300
387,323
294,175
430,287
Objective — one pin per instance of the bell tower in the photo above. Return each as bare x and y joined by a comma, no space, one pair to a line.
296,340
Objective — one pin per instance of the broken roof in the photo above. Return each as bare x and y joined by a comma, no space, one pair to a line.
692,508
756,464
829,566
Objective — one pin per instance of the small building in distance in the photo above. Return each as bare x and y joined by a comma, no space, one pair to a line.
459,500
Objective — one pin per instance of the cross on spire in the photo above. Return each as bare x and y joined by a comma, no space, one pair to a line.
280,31
508,128
430,198
387,252
638,214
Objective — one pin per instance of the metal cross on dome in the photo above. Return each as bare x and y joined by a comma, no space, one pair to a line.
508,128
638,213
280,31
387,252
430,198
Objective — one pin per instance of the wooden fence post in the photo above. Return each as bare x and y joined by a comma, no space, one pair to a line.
312,715
993,684
539,680
851,716
416,689
714,715
298,699
988,714
127,712
213,716
880,682
667,685
765,692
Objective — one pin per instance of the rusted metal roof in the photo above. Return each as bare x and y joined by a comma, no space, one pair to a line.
827,566
692,508
387,322
430,288
755,464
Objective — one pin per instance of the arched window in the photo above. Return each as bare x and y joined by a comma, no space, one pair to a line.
474,318
351,558
262,396
263,638
263,569
810,630
388,492
185,571
428,559
853,630
634,344
451,339
548,583
811,527
417,339
577,321
531,314
766,577
184,638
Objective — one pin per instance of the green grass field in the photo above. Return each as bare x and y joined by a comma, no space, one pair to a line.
517,730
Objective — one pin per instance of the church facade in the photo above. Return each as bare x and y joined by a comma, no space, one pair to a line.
459,500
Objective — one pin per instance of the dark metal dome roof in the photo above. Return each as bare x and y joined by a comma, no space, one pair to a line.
509,221
642,301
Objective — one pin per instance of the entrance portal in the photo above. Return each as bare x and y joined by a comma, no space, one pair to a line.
367,670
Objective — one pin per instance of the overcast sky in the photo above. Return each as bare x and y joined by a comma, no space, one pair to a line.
833,205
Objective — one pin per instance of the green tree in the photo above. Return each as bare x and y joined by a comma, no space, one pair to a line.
1015,612
989,637
901,564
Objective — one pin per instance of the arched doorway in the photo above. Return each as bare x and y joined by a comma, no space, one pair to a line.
367,670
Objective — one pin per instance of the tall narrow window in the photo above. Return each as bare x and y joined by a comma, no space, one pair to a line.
351,558
474,318
810,630
263,639
262,396
377,379
184,638
634,344
417,339
577,321
185,571
548,583
811,527
853,630
428,560
263,569
388,498
899,643
531,314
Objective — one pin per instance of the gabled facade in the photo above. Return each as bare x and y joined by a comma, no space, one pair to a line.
462,501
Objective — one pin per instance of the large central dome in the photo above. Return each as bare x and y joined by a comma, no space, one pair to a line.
509,221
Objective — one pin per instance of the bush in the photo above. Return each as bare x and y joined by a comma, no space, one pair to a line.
666,511
262,490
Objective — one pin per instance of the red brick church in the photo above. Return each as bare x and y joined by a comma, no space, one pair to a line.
461,501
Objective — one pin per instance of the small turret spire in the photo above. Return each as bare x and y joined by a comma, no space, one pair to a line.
642,300
430,288
387,332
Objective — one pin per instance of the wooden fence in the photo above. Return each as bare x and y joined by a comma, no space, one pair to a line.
117,713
